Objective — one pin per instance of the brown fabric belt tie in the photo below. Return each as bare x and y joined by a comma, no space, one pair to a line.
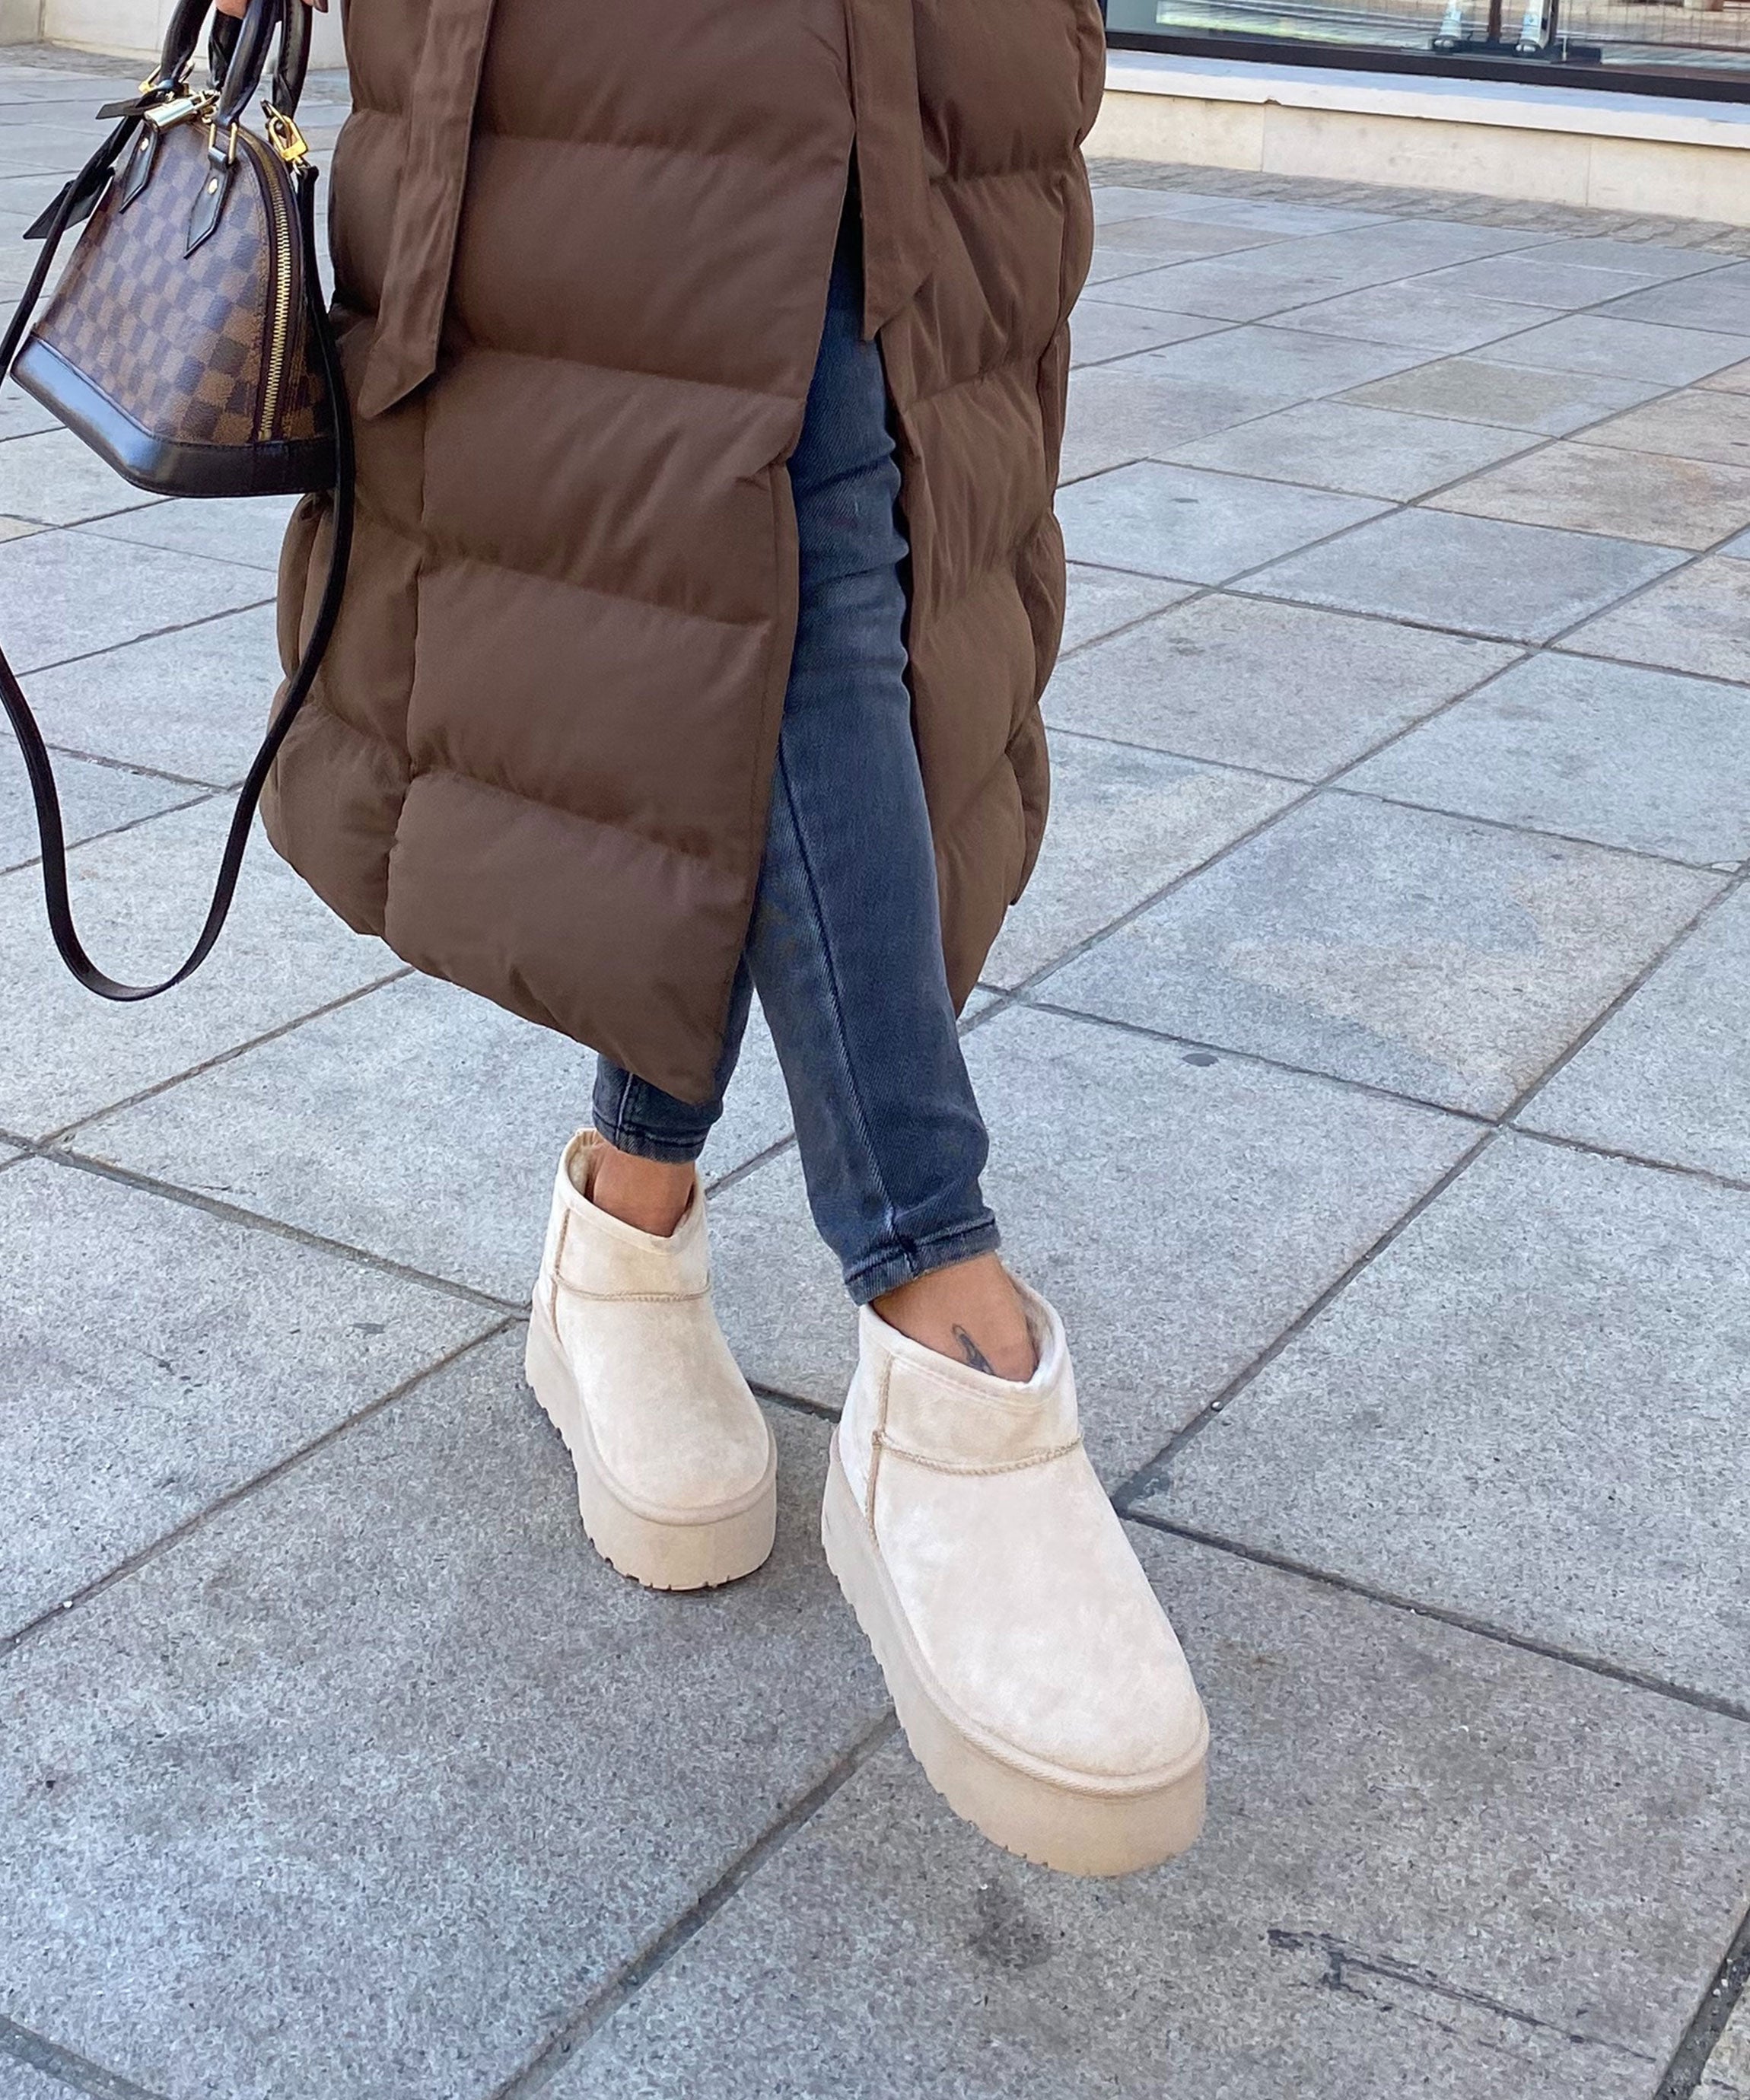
898,249
440,124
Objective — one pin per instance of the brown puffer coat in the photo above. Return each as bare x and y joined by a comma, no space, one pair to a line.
582,256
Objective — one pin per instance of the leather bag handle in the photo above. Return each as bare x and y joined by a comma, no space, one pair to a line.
264,21
73,204
290,65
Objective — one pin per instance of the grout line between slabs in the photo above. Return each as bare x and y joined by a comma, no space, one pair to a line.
1033,1003
797,1403
11,1643
1310,791
1264,1556
1521,831
232,1214
91,528
631,1978
1561,1139
124,765
195,801
1729,1988
1153,1476
1693,924
74,2071
56,1138
150,633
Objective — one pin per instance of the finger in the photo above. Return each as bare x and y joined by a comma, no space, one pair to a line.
231,6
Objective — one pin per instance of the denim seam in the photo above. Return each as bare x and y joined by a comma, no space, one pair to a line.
906,1266
836,998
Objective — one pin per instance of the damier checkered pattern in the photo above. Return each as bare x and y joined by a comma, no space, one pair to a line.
180,342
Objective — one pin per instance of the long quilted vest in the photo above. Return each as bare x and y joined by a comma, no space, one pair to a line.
582,256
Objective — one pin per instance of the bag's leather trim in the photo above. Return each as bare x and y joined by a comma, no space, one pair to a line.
164,465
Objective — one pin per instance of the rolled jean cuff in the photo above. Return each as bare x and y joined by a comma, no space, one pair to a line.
891,1266
644,1145
614,1113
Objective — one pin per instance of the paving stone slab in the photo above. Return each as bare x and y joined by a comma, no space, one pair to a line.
1261,214
45,149
245,529
1153,238
1626,495
193,702
138,897
1108,264
1250,287
1115,202
1420,314
1668,1076
1124,823
456,1113
1272,368
1101,331
1478,575
1398,1891
1648,760
1692,425
1634,258
1719,301
1536,279
1698,620
1616,344
1447,961
56,478
26,84
93,799
1244,682
20,415
1119,413
1475,389
1243,1194
1409,249
1178,522
26,195
63,595
1528,1409
369,1784
156,1357
1361,451
1100,601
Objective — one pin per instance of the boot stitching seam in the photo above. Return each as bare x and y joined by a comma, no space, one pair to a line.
881,1441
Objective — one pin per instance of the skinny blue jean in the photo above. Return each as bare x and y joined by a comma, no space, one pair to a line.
845,945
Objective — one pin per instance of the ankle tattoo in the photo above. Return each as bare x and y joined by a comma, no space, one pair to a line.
975,1356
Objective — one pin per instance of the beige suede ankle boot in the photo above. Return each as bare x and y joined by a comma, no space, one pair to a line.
676,1473
1039,1682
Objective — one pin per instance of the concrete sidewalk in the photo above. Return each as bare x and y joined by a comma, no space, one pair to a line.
1369,1076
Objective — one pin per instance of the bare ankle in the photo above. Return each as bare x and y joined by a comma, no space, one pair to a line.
650,1195
971,1311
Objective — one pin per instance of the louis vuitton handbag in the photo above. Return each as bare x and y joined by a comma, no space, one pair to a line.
187,343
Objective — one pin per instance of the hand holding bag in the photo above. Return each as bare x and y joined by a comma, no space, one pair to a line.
188,345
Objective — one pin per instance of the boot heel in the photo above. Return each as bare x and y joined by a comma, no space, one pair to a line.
661,1554
1076,1829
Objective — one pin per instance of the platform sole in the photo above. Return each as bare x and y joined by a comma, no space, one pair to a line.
689,1555
1076,1829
